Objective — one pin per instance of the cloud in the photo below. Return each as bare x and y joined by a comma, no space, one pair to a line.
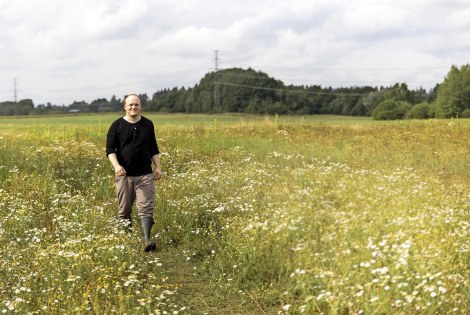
115,20
374,21
89,49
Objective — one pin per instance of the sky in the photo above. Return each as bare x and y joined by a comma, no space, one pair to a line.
56,51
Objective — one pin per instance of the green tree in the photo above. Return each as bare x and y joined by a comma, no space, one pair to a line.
318,98
399,92
433,93
453,96
115,104
79,105
372,100
24,107
359,109
419,95
98,105
238,91
7,108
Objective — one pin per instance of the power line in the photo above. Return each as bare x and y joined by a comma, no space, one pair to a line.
297,91
95,88
260,77
358,70
379,69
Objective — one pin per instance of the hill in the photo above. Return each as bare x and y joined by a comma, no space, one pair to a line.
238,90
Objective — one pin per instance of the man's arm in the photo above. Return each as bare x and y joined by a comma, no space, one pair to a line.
157,171
118,169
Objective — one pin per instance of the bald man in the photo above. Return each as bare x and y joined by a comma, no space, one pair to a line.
131,147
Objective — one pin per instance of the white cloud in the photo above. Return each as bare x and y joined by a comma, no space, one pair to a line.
460,20
115,19
62,51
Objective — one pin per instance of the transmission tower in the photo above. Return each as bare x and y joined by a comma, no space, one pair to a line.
15,95
217,108
216,60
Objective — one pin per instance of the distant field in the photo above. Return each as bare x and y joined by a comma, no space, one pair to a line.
174,119
254,215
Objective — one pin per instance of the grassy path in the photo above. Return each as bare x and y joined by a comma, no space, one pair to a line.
198,294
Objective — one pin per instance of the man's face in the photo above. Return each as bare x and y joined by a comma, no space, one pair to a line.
132,106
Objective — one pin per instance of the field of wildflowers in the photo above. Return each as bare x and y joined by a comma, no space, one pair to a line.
254,215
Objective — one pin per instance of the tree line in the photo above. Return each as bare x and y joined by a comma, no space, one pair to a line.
238,90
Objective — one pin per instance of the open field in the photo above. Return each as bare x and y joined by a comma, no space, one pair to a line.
255,215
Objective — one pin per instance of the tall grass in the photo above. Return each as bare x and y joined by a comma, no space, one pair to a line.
290,215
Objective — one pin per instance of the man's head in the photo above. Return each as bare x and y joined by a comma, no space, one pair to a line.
132,105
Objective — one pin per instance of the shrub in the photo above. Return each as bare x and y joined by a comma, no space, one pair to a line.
391,110
466,113
421,111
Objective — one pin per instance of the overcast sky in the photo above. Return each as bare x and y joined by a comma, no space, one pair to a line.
60,51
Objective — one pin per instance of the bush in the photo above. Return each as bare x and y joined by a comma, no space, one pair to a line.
466,113
391,110
421,111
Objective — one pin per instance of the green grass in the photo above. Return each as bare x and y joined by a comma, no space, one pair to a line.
173,119
255,214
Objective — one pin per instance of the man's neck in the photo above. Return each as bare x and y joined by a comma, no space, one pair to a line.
132,119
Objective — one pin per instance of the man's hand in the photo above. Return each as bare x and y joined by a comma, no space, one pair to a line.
120,171
158,173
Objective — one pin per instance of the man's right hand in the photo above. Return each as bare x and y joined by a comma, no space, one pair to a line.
120,171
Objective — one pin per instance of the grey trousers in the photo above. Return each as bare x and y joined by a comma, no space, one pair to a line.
140,189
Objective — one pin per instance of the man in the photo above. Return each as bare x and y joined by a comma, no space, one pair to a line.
131,148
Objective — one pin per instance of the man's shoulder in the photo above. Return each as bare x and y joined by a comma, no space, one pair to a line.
116,125
145,120
117,121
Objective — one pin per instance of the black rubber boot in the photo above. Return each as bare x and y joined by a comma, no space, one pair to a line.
146,225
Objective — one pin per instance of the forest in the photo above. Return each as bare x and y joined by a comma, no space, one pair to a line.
249,91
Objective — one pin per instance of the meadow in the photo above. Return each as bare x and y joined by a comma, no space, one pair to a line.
254,215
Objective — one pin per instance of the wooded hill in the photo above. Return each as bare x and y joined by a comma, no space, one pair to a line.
248,91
